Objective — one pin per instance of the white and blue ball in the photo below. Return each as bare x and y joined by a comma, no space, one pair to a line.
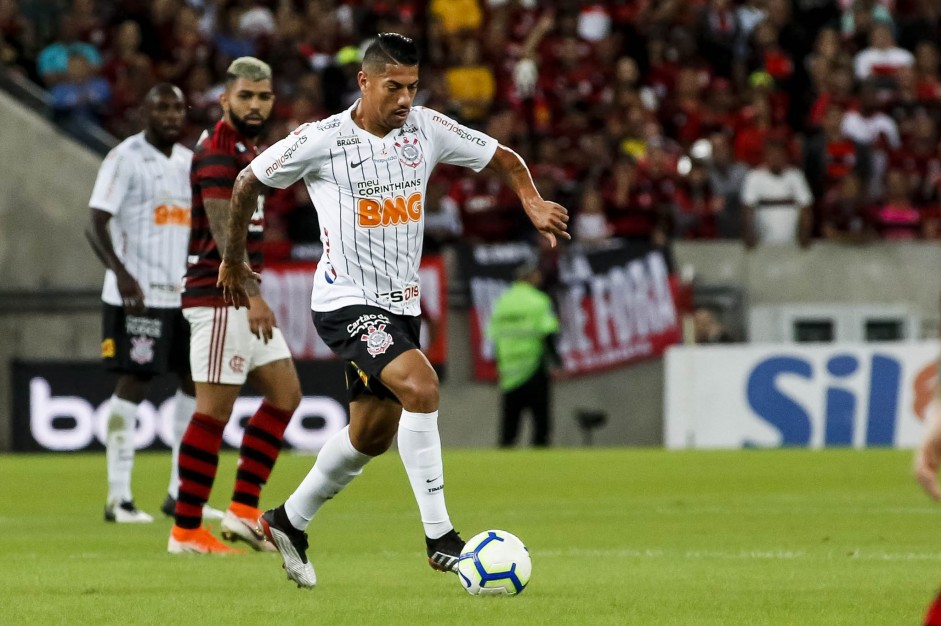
494,562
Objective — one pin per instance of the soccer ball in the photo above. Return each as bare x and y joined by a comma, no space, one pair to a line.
494,562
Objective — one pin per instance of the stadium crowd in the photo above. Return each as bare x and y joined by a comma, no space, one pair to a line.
650,120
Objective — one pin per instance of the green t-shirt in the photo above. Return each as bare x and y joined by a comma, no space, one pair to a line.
519,324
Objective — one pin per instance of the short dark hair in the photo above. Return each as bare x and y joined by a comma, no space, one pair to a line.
390,48
162,89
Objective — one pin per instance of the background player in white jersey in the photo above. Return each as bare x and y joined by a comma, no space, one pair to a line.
366,170
141,200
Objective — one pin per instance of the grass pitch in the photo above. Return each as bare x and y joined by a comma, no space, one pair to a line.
641,537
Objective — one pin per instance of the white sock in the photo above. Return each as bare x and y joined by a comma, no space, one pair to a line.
119,448
338,463
183,411
420,449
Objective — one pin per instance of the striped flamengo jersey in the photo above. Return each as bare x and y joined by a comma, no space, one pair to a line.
369,194
221,154
148,195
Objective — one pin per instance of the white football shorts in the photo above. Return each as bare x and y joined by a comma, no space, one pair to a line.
223,348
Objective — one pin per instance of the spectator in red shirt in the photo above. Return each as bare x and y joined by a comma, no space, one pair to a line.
188,50
792,31
926,72
829,156
918,158
644,196
844,215
768,55
489,209
661,69
756,126
571,77
720,109
839,91
131,75
631,205
683,115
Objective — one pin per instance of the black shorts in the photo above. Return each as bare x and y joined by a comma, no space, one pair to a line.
145,345
369,338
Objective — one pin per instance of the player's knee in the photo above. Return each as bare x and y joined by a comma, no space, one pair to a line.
290,398
132,387
218,406
420,393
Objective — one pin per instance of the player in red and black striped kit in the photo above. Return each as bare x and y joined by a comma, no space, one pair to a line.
229,346
926,467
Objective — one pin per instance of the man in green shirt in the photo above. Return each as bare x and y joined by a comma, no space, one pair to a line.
522,328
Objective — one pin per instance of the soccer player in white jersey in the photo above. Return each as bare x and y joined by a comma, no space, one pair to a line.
141,201
366,170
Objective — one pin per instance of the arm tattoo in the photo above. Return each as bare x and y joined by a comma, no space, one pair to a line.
241,207
216,211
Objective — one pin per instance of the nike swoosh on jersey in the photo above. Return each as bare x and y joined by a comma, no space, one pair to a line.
355,165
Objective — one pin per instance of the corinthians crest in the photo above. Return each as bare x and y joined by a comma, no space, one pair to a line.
409,152
377,340
142,350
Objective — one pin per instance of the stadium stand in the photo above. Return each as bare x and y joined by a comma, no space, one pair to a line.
643,116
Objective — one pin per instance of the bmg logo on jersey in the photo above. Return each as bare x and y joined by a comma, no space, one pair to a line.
393,211
850,392
172,215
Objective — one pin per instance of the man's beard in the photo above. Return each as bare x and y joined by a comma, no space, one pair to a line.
245,129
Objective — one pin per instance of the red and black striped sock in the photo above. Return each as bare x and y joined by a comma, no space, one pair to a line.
260,447
933,617
199,458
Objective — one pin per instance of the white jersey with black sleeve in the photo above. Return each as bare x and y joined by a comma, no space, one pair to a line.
148,195
369,193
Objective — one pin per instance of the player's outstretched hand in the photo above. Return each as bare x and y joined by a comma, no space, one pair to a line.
549,218
261,318
232,278
927,458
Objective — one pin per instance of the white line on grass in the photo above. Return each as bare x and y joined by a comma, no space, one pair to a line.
745,555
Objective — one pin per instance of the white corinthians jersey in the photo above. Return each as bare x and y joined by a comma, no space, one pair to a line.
369,193
148,196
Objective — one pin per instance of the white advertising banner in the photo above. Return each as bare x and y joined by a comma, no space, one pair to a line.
819,395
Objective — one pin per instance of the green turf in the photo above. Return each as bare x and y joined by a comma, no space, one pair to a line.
617,537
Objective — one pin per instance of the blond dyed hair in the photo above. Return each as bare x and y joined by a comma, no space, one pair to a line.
248,68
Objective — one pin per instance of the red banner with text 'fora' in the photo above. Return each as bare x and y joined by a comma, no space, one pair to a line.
616,304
